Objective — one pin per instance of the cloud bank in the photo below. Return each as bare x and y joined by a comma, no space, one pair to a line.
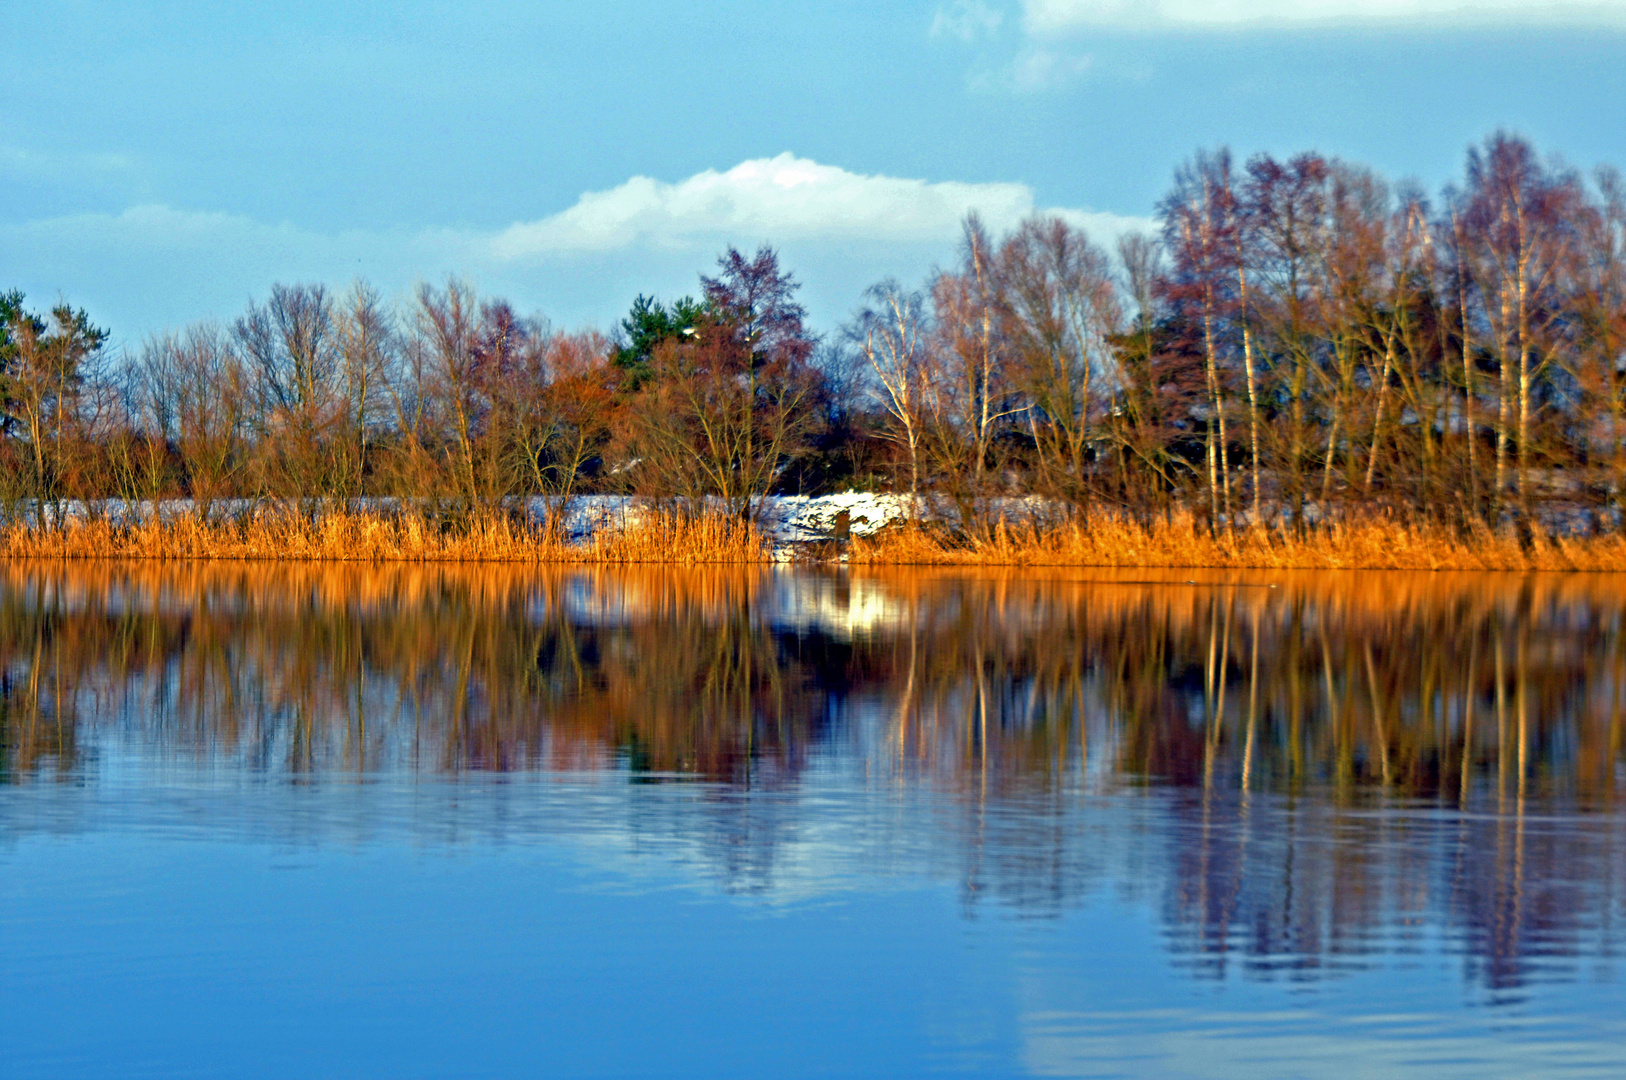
149,267
781,199
1047,50
1049,17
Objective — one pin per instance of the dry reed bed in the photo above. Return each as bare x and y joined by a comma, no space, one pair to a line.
1110,541
654,536
659,536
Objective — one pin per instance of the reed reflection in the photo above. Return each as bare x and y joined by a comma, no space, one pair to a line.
1342,764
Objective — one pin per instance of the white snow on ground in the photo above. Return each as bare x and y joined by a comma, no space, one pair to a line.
792,518
784,518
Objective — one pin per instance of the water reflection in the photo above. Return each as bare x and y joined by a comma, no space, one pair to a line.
1303,772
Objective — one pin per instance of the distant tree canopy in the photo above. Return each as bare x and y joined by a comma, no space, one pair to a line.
648,324
1299,340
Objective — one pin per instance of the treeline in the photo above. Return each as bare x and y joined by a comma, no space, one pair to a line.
1302,341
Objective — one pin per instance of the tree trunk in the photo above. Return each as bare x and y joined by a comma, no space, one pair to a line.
1377,422
1253,397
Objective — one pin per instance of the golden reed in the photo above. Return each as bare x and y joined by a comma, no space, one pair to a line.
655,535
650,536
1109,540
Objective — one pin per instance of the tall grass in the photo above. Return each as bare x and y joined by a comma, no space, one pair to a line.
657,535
646,535
1183,541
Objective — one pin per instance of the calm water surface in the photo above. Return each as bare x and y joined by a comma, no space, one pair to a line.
486,822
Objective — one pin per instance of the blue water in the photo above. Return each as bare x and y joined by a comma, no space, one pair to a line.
173,906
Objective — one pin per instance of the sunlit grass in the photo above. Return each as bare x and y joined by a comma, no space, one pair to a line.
646,535
654,534
1183,541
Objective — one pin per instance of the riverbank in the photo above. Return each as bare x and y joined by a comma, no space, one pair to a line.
853,528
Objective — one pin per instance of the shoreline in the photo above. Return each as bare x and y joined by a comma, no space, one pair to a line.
644,534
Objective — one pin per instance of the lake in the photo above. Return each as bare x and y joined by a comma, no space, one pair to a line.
437,821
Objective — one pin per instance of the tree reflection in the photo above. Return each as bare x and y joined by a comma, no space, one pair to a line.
1338,761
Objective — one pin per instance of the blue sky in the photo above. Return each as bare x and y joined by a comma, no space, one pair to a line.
163,162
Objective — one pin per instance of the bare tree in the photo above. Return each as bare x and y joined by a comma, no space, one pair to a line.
196,396
1058,300
893,332
291,345
1349,277
1599,355
1158,378
734,388
1457,282
445,347
1520,220
367,344
1285,213
716,422
556,406
1199,223
973,398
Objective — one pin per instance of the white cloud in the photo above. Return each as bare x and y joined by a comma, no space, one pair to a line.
1103,227
152,266
966,20
1045,53
778,199
1049,17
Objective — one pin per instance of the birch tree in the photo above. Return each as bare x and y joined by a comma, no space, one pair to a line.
1520,220
892,332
